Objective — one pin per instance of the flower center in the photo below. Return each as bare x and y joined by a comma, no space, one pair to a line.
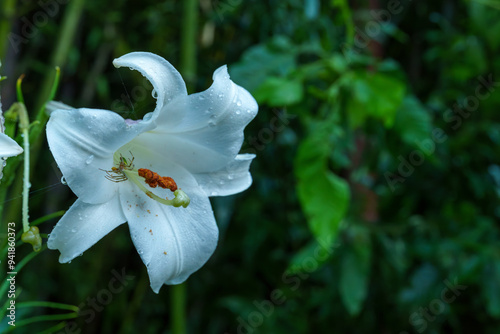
125,171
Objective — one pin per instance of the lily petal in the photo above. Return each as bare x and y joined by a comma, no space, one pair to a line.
83,142
188,236
82,226
166,80
232,179
8,147
206,127
172,242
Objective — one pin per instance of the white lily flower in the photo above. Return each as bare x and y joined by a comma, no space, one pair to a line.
8,146
112,164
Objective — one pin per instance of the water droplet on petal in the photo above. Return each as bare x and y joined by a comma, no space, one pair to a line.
238,103
73,230
154,93
201,97
63,181
148,116
89,160
214,193
238,112
221,96
230,177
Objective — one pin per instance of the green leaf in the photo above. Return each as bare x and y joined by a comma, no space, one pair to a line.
262,61
325,198
374,94
48,304
323,195
413,121
355,273
278,92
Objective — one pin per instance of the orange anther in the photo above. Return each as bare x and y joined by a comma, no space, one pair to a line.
154,180
167,183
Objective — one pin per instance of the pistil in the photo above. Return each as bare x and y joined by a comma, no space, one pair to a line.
180,199
126,171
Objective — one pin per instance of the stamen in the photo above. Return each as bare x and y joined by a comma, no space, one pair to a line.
180,199
154,180
125,171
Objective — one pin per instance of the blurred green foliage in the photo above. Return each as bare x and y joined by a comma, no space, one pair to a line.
375,202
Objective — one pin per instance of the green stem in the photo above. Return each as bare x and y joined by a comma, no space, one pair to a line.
37,303
188,69
64,42
11,168
178,300
188,40
24,125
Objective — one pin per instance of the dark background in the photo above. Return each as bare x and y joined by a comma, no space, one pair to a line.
375,201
